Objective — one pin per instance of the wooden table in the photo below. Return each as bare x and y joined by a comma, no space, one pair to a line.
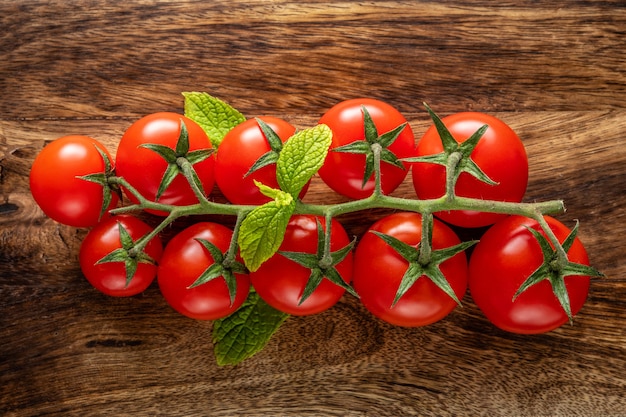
554,70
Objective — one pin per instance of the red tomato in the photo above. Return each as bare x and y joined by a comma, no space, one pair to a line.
183,262
344,172
280,282
379,270
499,153
55,185
143,168
110,277
239,150
505,256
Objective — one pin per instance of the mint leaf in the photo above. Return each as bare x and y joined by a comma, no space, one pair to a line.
246,331
262,231
215,116
301,157
280,197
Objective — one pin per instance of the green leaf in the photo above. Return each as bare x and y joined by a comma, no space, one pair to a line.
301,157
246,331
279,196
215,116
262,232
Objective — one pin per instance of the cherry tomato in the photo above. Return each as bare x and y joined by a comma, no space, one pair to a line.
344,172
500,154
379,270
239,150
110,277
144,168
55,185
281,282
184,261
505,256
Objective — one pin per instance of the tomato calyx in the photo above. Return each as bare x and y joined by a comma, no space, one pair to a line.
556,267
456,157
102,178
180,161
322,263
130,254
423,260
224,265
271,156
374,144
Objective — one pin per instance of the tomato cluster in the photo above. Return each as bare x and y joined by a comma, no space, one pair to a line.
408,269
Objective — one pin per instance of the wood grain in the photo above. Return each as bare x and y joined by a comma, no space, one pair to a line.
555,71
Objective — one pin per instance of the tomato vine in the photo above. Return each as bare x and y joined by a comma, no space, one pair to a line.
260,228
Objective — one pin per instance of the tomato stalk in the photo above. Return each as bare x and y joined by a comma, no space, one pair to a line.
191,176
452,174
376,152
427,237
231,254
326,261
561,259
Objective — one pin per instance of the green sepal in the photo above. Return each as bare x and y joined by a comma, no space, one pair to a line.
176,158
271,156
318,271
416,270
199,155
356,147
123,254
171,172
450,146
102,178
268,158
164,152
555,272
246,331
372,138
218,269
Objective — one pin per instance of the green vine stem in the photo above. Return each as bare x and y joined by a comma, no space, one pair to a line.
376,200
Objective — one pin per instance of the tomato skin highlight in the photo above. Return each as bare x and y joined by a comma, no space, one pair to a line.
182,263
343,172
500,154
144,169
505,256
110,278
238,151
379,270
280,282
55,187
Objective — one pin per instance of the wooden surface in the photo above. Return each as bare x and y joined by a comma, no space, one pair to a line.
554,70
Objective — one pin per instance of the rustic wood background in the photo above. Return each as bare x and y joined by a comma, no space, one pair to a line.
554,70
